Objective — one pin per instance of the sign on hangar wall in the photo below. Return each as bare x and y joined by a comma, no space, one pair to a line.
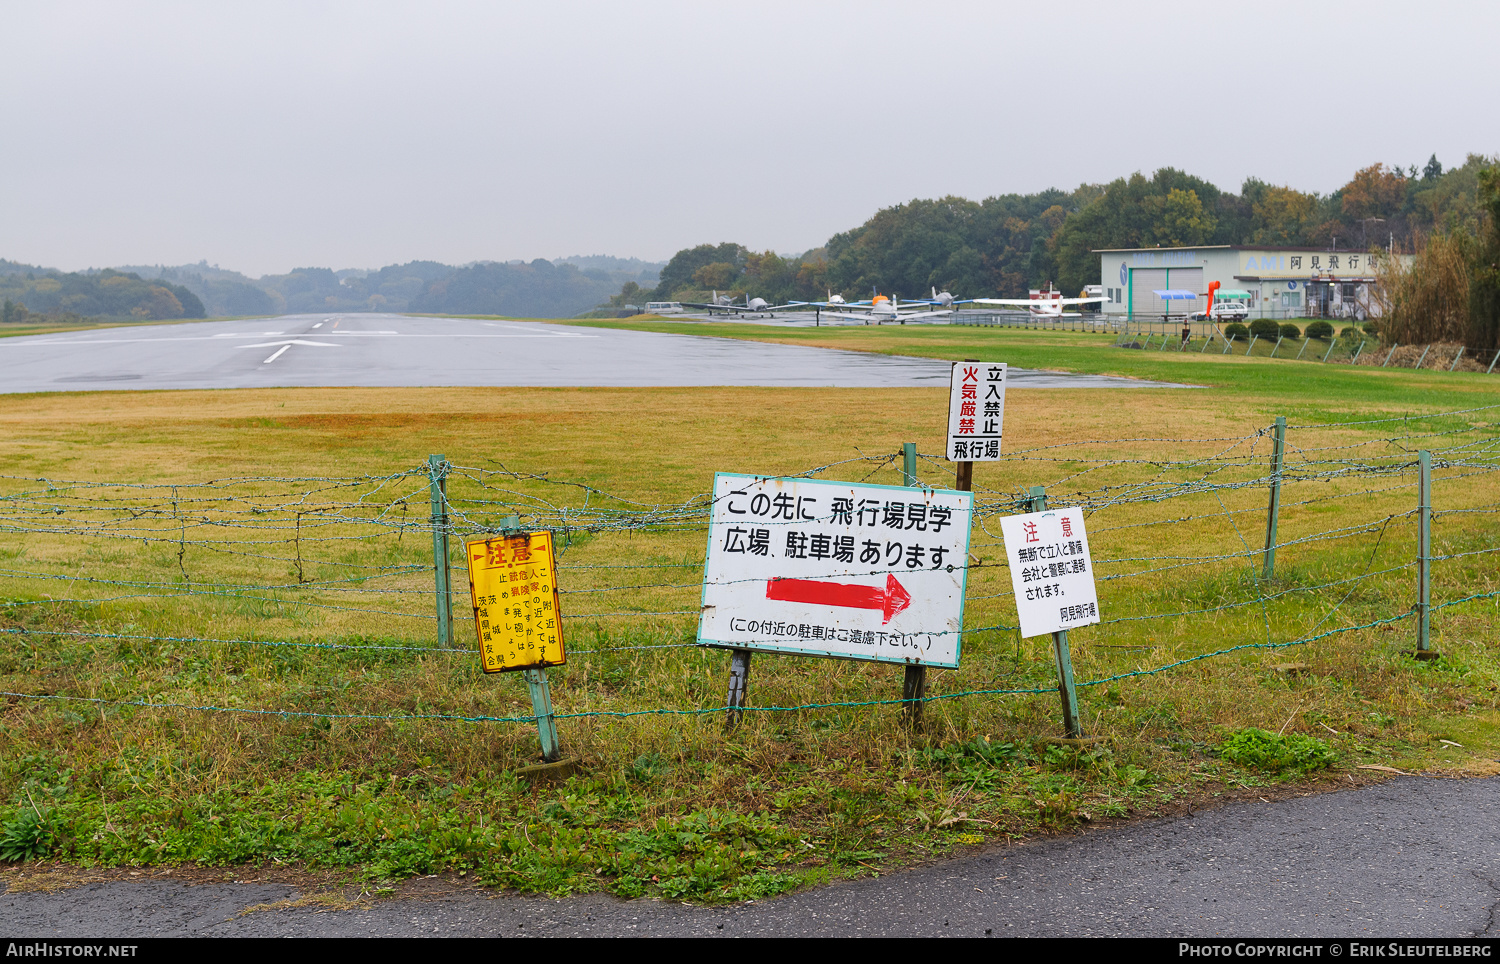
821,568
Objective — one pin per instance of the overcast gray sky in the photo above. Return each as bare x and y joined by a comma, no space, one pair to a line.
264,136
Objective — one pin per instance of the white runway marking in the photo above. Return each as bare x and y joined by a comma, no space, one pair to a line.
318,325
275,356
294,341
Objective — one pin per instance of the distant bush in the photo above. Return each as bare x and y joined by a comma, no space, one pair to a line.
1349,332
1236,330
1264,328
1320,329
1290,331
1371,328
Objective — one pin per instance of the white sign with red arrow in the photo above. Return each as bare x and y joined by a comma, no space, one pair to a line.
820,568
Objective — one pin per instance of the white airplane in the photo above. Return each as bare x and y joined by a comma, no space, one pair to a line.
1047,302
944,298
752,306
884,309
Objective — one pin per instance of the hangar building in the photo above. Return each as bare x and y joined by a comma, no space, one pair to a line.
1276,282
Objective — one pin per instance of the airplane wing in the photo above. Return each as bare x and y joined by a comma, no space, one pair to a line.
917,315
1034,302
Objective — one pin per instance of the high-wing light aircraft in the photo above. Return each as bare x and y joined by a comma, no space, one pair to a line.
1047,302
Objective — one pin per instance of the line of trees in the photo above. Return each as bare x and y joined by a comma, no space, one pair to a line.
1008,244
112,294
1451,290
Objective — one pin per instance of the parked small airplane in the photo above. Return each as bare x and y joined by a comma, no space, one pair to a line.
752,306
883,309
1046,302
943,298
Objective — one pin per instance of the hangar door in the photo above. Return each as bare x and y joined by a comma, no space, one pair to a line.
1140,297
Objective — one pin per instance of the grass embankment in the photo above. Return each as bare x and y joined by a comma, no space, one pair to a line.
45,327
669,804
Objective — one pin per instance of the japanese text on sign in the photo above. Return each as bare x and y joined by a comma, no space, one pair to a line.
824,568
1050,570
513,585
976,412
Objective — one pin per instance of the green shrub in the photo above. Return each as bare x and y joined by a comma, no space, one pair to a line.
1260,750
1264,328
1371,328
1290,331
1320,329
24,836
1236,330
1349,332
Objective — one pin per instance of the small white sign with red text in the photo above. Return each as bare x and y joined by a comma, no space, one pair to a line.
1050,570
976,411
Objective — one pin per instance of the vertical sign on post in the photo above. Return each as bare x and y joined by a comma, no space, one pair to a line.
1053,578
976,412
518,617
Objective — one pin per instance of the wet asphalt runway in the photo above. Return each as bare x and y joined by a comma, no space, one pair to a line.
1412,857
379,350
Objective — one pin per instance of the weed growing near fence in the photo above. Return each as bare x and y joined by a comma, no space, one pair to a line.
1277,753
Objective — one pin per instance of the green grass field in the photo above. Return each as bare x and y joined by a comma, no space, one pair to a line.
192,602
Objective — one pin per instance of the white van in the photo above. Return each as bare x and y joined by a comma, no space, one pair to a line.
663,308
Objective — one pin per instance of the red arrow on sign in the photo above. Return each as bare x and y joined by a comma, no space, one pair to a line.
889,601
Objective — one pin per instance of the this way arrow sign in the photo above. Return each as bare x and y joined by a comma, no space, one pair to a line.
888,601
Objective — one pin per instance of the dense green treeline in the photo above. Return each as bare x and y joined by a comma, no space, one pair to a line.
1008,244
1451,290
540,289
1002,245
26,291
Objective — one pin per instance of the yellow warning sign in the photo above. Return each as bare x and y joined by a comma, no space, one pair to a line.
513,585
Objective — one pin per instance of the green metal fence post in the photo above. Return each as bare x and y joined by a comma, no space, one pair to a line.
1424,355
541,707
1424,548
437,474
1456,358
1357,351
914,680
1278,463
1331,343
1065,688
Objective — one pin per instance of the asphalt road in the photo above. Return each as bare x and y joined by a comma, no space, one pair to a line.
1413,857
377,350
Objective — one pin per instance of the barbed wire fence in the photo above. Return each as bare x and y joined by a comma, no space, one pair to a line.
1183,530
